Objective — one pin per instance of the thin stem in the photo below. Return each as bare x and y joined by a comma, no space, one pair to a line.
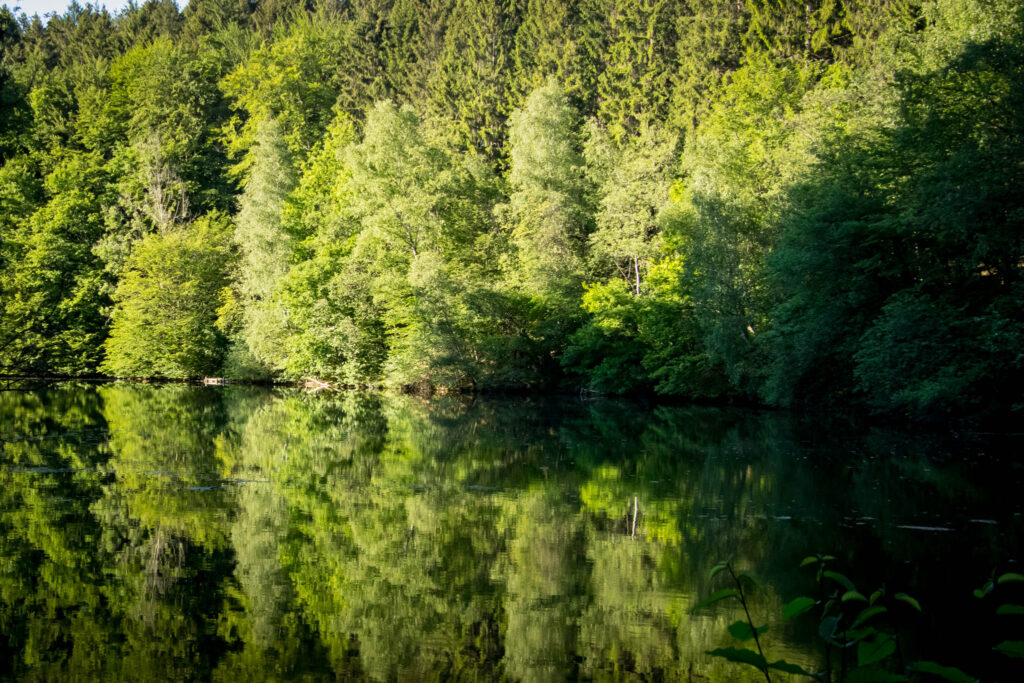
753,629
828,647
842,658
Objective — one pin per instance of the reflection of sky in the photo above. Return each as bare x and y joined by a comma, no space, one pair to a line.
44,7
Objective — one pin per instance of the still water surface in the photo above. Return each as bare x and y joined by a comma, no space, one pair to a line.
188,533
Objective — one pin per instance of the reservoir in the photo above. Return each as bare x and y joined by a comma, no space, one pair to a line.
176,532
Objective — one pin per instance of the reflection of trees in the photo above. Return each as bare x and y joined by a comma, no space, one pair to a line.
544,581
268,638
163,526
633,606
398,566
52,612
246,534
163,456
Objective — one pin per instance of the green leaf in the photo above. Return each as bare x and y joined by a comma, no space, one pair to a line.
1009,609
798,606
828,558
808,560
875,596
949,673
741,630
1011,578
739,656
845,582
857,634
984,590
749,577
717,568
909,600
783,665
873,651
715,597
827,627
853,595
867,614
1011,648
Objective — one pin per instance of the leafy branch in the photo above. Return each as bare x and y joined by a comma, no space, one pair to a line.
849,622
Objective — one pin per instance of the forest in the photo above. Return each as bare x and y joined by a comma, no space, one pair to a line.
814,203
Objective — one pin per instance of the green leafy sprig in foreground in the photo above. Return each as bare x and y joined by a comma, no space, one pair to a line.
861,643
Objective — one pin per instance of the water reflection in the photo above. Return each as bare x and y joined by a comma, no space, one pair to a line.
182,533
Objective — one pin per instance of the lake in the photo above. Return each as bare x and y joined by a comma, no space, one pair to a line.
175,532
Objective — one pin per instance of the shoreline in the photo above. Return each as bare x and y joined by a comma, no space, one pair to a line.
1004,424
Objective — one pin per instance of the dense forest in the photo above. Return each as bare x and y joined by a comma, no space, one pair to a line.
815,202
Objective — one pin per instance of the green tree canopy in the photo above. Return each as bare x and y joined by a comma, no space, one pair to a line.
165,305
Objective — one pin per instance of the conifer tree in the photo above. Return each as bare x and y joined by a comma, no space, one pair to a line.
203,17
636,85
710,46
413,46
147,21
468,92
825,30
545,47
592,38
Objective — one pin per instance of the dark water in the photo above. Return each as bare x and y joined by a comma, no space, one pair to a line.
185,533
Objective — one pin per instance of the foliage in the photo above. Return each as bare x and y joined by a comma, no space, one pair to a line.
906,241
633,183
548,210
849,622
165,305
53,282
467,91
634,87
740,164
297,78
264,245
805,203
